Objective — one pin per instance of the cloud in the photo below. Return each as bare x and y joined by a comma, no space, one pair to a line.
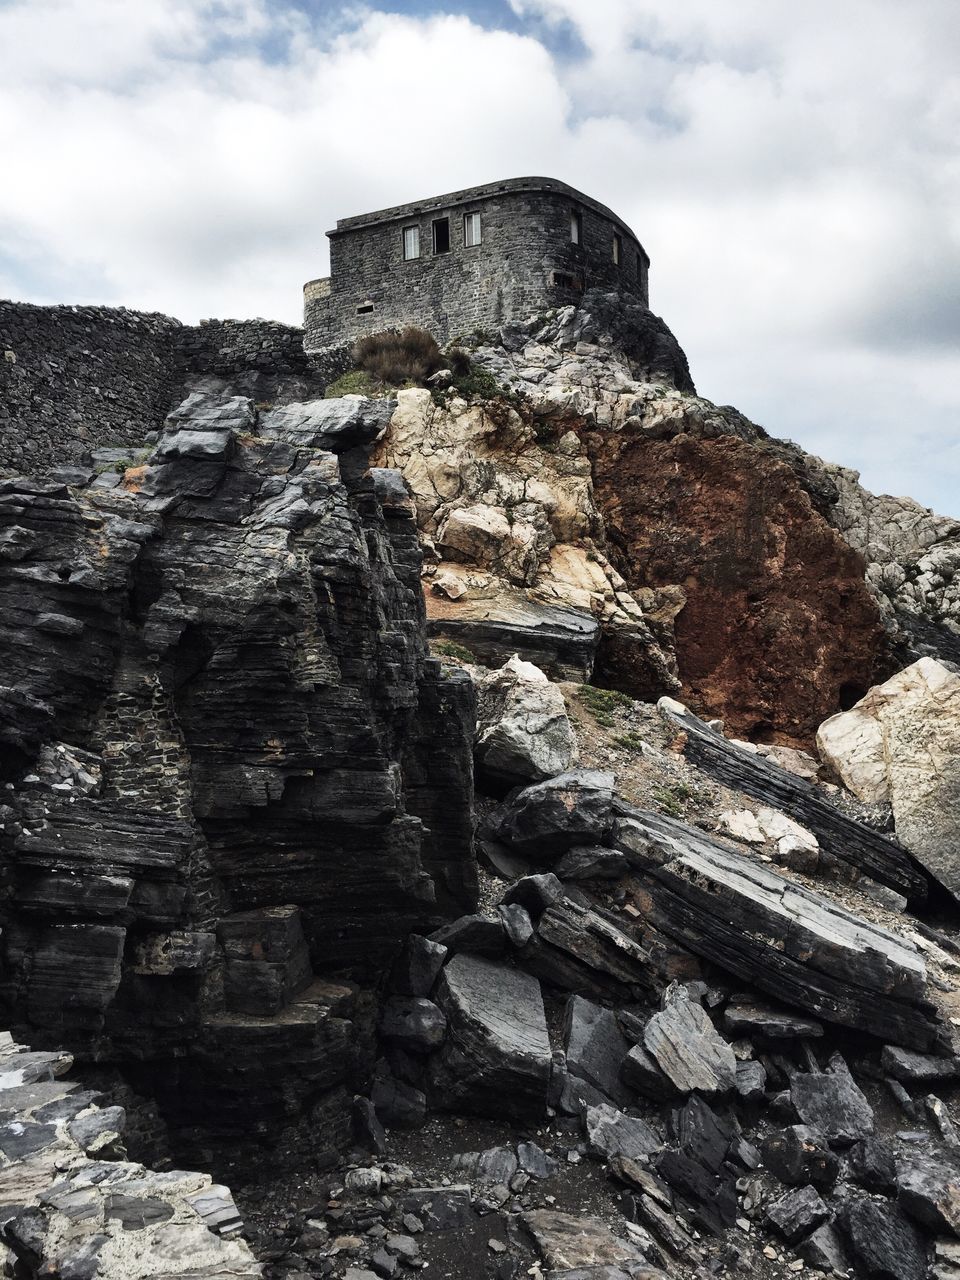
792,171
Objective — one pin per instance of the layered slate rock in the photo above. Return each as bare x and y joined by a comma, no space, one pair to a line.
795,945
272,778
496,1058
686,1047
74,1206
839,836
567,1240
544,821
832,1102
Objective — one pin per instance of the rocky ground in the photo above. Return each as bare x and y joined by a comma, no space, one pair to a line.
781,1144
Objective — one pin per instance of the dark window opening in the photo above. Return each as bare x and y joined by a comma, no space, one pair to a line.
441,235
365,309
562,280
576,227
617,249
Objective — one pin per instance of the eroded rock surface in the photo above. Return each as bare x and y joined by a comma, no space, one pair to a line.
74,1206
231,636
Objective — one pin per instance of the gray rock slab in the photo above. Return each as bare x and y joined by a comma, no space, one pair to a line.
613,1133
595,1047
832,1102
687,1047
497,1055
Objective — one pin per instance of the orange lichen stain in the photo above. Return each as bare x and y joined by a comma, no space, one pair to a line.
133,479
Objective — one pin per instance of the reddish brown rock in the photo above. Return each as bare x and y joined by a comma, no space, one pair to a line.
779,629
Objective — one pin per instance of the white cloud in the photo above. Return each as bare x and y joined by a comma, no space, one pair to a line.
793,171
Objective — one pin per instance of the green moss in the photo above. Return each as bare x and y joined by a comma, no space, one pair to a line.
604,701
671,799
450,649
355,382
631,741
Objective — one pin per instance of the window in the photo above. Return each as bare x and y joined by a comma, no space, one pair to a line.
562,281
411,243
617,249
364,309
576,227
441,235
471,229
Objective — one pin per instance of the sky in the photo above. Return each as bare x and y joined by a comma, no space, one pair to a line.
793,171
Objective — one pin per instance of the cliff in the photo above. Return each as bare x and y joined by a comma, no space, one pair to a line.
218,723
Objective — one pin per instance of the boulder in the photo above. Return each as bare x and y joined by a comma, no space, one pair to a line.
797,946
613,1133
832,1102
823,1250
901,744
595,1047
561,642
798,1213
496,1059
884,1242
917,1068
535,1161
496,1166
416,968
413,1023
545,820
799,1155
567,1240
641,1072
579,949
686,1047
523,732
928,1189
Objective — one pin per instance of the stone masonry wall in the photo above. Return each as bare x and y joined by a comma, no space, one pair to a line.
526,263
76,378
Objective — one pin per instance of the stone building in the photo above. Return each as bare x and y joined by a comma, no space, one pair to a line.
469,260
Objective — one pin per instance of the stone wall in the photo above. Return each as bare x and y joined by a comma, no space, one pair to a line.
75,378
526,263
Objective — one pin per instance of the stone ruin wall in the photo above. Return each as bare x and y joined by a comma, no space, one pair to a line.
75,378
509,276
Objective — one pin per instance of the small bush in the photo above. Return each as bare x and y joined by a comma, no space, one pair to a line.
398,357
630,741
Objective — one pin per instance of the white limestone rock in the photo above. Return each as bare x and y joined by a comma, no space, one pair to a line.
901,744
523,732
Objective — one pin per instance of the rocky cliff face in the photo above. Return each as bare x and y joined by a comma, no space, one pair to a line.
217,719
614,523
